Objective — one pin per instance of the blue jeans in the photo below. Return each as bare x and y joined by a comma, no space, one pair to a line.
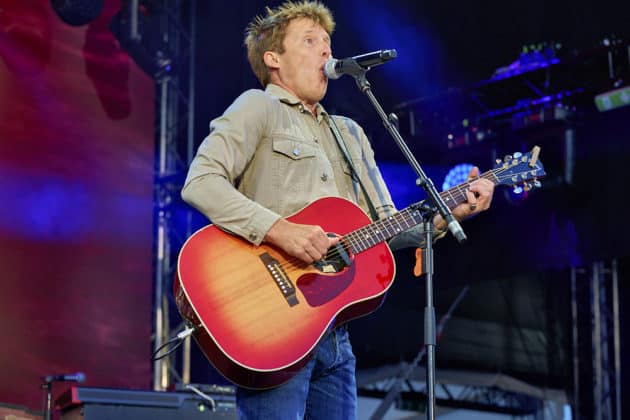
325,389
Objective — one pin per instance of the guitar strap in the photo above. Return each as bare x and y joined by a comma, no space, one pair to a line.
353,171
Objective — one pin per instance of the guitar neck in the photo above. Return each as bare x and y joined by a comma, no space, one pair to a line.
384,229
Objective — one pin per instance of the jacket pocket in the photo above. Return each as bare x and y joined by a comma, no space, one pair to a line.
296,164
293,148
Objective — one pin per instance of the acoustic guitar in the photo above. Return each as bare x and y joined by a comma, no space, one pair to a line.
259,312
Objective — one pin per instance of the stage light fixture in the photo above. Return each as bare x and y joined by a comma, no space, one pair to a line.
147,48
457,175
613,99
77,12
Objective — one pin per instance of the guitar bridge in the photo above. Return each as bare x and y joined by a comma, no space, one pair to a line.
280,278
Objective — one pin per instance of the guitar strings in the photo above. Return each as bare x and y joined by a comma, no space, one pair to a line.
293,263
349,240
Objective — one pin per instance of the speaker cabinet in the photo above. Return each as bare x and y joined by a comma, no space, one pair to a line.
84,403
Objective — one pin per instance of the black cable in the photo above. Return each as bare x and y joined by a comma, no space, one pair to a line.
178,339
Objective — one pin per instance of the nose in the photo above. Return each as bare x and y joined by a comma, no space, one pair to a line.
326,51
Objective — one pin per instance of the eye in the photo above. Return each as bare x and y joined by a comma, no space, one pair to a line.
308,41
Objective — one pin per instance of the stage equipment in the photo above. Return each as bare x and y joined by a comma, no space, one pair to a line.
334,68
70,377
160,37
433,205
78,377
541,89
405,375
456,175
139,28
613,99
597,341
77,12
206,402
532,57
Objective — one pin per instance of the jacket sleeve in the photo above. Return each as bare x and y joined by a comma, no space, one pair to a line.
210,185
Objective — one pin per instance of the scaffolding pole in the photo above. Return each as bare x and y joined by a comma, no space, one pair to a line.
175,138
604,379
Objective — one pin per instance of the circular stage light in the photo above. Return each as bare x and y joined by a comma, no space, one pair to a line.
457,175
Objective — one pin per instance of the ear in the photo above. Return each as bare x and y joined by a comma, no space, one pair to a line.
271,59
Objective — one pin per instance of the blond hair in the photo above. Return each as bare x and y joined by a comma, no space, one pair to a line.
266,33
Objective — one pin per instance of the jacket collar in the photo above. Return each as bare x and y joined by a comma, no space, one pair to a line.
285,97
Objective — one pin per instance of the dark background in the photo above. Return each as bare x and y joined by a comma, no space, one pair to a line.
516,318
76,181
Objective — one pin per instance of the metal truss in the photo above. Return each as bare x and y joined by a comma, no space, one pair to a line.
596,363
547,92
175,96
596,342
479,398
402,385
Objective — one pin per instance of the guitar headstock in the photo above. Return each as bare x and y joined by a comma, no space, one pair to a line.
520,170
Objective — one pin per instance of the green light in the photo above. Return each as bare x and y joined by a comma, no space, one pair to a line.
613,99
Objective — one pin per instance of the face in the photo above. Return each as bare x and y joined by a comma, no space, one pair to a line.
300,68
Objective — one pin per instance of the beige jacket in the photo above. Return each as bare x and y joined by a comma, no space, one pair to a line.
267,157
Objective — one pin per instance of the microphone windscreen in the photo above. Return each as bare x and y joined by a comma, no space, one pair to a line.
329,69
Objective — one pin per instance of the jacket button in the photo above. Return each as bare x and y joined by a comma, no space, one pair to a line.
324,177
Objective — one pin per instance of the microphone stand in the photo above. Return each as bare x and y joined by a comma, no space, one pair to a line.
47,387
438,205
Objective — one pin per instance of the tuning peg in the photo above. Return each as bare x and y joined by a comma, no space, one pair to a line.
498,161
527,186
507,158
517,155
537,184
517,189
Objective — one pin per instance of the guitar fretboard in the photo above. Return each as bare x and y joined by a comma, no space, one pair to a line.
384,229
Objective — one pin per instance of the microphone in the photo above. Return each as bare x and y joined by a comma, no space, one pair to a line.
353,66
71,377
